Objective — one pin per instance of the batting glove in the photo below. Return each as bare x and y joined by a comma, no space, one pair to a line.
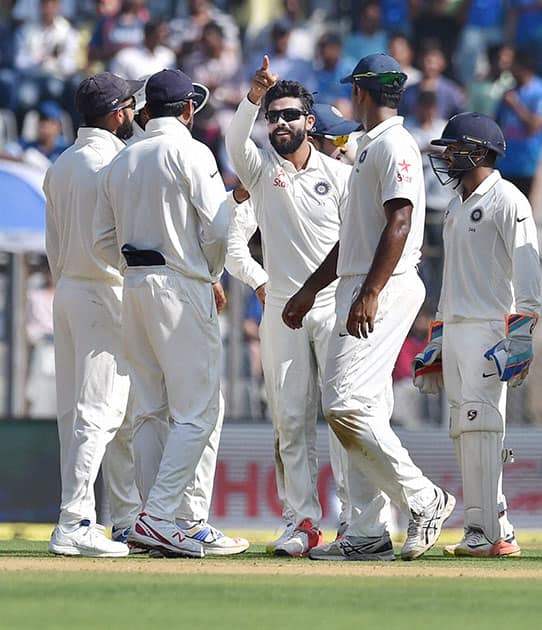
427,365
513,354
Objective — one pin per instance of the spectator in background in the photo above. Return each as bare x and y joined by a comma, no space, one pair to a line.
186,32
151,56
425,125
117,30
483,22
450,98
329,68
50,141
485,94
400,48
45,55
8,92
520,118
434,20
40,384
367,36
396,16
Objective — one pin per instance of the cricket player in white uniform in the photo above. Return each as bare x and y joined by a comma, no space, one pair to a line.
378,297
482,336
329,135
91,376
150,437
163,213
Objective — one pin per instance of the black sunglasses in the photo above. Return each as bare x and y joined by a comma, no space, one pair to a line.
288,115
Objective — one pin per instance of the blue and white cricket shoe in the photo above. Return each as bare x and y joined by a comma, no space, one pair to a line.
213,541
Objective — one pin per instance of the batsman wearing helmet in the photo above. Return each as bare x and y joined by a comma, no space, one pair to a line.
482,336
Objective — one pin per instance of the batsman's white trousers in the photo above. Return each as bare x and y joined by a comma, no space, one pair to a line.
92,387
463,346
358,400
172,342
293,363
149,441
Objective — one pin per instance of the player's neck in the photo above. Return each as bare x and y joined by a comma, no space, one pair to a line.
300,156
473,179
377,115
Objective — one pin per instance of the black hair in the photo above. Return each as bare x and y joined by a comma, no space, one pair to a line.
490,158
164,110
213,27
292,89
385,97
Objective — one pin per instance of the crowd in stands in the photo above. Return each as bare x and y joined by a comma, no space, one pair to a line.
478,55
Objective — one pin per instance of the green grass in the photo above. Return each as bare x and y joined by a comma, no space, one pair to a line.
80,599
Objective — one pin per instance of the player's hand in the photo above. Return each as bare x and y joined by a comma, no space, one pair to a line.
427,364
262,80
220,296
297,307
362,315
260,294
240,194
512,355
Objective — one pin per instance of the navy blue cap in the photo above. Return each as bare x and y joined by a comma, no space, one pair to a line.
473,128
50,110
330,122
377,71
103,93
169,86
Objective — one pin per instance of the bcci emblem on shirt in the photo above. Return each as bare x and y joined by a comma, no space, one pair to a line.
322,188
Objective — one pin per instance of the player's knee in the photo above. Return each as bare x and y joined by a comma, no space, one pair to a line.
475,416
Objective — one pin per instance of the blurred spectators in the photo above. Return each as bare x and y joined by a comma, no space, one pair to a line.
450,98
400,48
330,66
151,56
45,55
120,25
367,35
426,125
186,32
520,117
435,20
396,16
485,94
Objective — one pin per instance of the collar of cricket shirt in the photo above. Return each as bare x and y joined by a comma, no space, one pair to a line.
381,127
484,187
313,163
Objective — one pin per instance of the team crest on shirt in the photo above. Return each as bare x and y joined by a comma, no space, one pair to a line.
322,188
476,215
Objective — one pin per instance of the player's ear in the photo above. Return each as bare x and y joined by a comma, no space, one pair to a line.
310,122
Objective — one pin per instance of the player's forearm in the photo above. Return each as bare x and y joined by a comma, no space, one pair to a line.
241,150
388,253
325,274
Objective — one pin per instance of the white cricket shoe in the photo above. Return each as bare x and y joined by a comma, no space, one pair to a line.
120,534
153,533
424,529
476,545
286,535
304,538
86,540
213,541
355,548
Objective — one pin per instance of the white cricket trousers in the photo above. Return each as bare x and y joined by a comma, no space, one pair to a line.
358,400
149,442
173,345
464,366
92,387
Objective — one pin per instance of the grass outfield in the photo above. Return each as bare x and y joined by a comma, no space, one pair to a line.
39,591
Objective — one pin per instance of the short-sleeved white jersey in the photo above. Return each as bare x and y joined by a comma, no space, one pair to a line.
71,190
491,261
297,211
388,166
165,193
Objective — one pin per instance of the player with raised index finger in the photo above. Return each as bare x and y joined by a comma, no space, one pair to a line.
482,336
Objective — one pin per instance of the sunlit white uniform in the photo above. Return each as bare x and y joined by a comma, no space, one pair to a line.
164,193
358,398
491,268
91,376
298,216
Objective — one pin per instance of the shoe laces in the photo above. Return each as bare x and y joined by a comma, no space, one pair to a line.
414,524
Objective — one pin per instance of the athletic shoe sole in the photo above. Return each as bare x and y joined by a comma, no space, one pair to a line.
61,550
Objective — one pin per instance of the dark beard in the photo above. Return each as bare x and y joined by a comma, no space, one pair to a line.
286,147
126,130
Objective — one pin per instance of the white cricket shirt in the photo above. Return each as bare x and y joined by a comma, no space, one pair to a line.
297,211
388,166
491,261
164,192
71,189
